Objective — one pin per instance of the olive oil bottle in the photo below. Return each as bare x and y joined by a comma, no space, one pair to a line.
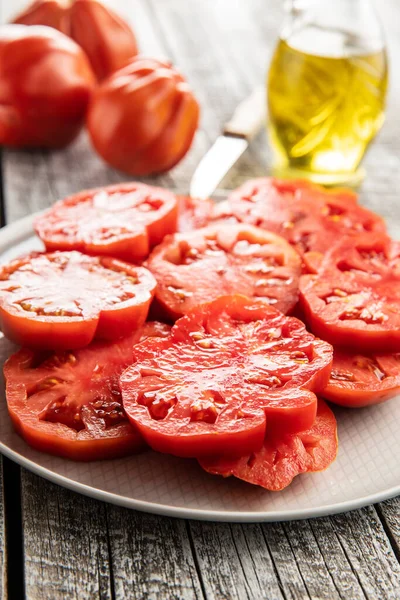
327,87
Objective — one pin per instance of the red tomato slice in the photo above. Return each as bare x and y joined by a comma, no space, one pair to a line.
363,379
193,213
69,403
195,267
229,369
310,217
354,300
65,299
282,457
123,221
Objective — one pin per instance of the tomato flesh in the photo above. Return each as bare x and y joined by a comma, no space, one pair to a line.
221,260
363,379
308,216
283,457
123,221
354,300
69,403
63,300
230,369
193,213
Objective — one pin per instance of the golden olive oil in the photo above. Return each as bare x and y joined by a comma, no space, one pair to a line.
324,110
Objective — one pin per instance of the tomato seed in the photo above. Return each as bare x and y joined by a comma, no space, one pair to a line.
337,375
179,293
204,410
206,344
299,357
48,383
160,408
196,335
363,362
288,225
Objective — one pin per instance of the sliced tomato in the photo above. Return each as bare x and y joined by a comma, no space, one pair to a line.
359,379
195,267
354,300
123,221
310,217
229,369
69,403
282,457
193,213
63,300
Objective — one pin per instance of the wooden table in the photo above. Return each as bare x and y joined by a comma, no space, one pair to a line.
55,544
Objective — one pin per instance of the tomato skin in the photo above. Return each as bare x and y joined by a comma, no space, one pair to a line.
359,380
282,457
106,39
45,86
110,221
230,370
354,299
51,13
69,279
143,118
82,377
308,216
194,267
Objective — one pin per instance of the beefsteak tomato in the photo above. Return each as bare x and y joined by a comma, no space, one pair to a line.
69,403
354,300
63,300
45,85
308,216
106,38
229,370
143,118
359,379
195,267
123,221
284,456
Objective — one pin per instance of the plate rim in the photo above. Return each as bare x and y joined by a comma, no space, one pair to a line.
21,230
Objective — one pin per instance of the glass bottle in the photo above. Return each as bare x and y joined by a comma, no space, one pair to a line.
327,87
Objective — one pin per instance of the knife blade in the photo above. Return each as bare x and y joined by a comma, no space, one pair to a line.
244,125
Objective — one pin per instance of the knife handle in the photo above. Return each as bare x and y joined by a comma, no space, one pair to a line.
248,118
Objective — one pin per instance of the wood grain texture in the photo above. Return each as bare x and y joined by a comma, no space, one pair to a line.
368,549
3,552
234,561
65,543
76,547
151,557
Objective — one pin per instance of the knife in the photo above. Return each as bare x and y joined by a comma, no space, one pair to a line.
245,123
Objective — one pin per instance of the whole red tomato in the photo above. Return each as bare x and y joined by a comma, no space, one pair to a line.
143,118
45,86
106,38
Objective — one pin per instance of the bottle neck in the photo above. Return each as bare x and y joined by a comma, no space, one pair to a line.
339,27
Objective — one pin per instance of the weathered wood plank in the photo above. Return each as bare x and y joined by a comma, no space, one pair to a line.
389,513
323,558
151,557
342,557
3,549
65,542
368,549
234,561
